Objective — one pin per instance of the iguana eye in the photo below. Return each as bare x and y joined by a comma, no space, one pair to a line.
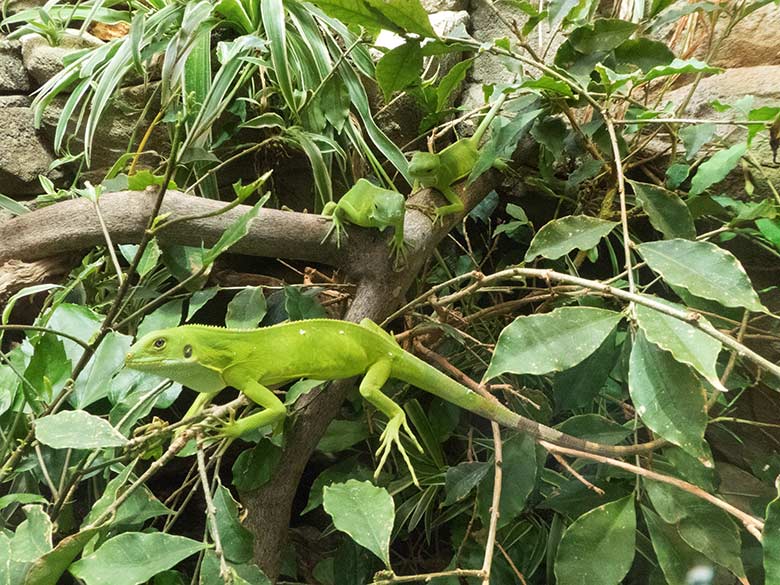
159,343
187,351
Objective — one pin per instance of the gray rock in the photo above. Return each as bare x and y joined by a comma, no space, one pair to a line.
753,41
433,6
13,76
43,61
14,101
24,155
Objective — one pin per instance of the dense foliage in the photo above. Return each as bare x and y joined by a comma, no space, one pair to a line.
597,289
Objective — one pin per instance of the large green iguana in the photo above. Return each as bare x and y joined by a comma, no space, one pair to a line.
207,359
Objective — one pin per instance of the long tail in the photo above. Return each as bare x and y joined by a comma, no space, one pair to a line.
414,371
485,123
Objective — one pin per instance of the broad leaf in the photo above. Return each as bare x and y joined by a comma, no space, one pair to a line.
246,309
408,15
604,34
33,536
716,168
695,136
234,233
199,299
48,569
363,511
686,343
254,466
667,395
679,66
77,429
665,210
93,384
462,478
771,534
561,236
644,53
235,538
399,68
355,12
168,315
556,341
598,548
703,269
133,558
675,557
345,469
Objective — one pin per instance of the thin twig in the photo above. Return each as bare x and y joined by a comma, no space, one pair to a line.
211,510
577,475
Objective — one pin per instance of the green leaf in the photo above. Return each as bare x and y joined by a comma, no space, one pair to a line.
302,304
679,66
578,386
342,434
133,558
168,315
148,260
665,210
598,547
686,343
254,466
355,12
675,557
235,538
594,427
667,396
345,469
574,232
266,120
716,168
109,358
33,536
603,34
676,174
450,81
644,53
199,299
246,309
461,479
399,68
408,15
771,543
21,498
547,83
13,206
77,429
48,366
365,512
274,21
136,509
703,269
49,568
234,233
553,342
695,136
520,469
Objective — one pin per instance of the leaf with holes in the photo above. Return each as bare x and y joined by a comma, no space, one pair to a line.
703,269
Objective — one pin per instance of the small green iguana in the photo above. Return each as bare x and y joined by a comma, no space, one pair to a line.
441,170
207,359
369,206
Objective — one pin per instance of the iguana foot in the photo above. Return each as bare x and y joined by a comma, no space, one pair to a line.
392,434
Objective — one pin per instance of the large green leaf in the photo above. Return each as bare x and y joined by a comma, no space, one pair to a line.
686,343
133,558
462,478
355,12
603,34
695,136
246,309
235,538
399,68
168,315
771,543
716,168
598,548
77,429
561,236
363,511
32,538
667,395
705,528
93,383
704,269
538,344
408,15
675,557
665,210
679,66
48,569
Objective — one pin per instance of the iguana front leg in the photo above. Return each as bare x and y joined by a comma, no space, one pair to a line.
273,414
455,206
334,212
371,390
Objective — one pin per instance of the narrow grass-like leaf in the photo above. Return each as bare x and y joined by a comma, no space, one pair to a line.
234,233
771,542
274,22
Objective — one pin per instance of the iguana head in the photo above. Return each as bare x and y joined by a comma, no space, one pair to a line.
388,208
176,354
424,167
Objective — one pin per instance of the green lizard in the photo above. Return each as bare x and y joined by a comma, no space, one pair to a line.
441,170
369,206
207,359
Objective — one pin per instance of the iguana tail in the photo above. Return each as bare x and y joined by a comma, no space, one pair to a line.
485,123
413,370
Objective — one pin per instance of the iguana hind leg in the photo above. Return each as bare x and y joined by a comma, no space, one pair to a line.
371,390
